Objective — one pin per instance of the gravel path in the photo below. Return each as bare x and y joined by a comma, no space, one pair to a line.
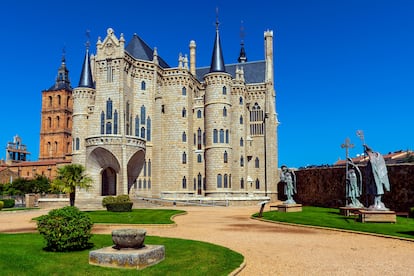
270,248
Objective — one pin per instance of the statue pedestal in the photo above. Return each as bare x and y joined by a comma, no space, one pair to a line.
348,211
377,216
285,208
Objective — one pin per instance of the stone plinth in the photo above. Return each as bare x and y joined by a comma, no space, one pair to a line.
127,258
377,216
348,211
285,208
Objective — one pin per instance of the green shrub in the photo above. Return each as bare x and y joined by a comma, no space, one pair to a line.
119,207
65,229
120,203
1,205
108,199
8,202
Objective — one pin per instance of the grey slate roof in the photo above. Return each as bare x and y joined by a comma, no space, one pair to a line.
140,50
217,60
254,71
86,75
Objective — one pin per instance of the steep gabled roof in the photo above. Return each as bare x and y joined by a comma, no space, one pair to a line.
138,49
254,71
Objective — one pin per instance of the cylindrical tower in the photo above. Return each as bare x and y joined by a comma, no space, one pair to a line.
218,153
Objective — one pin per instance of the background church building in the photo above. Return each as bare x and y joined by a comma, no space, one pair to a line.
144,128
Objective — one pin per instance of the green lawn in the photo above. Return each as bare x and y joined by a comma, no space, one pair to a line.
136,216
330,217
23,254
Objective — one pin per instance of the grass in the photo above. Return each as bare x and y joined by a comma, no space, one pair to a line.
330,217
23,254
136,216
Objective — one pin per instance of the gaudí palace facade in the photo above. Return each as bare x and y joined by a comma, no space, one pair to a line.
145,128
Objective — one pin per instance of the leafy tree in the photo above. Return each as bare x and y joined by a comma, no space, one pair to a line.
41,184
20,186
70,177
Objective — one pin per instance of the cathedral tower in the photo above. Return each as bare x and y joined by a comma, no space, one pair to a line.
56,119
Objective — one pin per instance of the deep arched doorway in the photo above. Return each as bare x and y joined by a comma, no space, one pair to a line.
108,182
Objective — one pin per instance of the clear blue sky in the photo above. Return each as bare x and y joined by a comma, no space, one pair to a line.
340,65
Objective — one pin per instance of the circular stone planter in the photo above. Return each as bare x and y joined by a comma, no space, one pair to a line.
128,238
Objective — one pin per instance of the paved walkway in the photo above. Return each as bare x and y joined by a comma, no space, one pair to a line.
270,248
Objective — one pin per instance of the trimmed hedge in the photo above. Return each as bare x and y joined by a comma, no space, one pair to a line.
120,203
119,207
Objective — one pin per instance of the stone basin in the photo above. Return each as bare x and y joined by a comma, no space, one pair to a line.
128,238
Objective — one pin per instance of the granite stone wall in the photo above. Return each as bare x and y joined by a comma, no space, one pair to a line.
325,187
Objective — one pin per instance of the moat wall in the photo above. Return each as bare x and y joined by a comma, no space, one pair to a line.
325,187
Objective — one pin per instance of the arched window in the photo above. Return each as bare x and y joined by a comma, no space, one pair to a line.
225,181
137,126
50,101
57,121
108,128
241,161
184,137
224,90
144,169
149,167
143,85
59,99
242,183
109,109
227,136
221,135
224,112
142,132
225,157
199,158
257,184
241,142
219,181
149,183
145,183
184,183
256,163
143,115
102,122
184,91
199,140
199,114
49,122
184,158
148,129
241,119
215,136
77,143
67,122
241,100
67,101
184,112
116,122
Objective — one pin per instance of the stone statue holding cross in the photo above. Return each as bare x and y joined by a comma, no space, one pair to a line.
377,178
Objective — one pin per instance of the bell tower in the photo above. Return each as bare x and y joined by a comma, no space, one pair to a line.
56,118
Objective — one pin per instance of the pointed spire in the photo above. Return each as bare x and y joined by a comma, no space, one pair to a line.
242,57
62,79
86,75
217,60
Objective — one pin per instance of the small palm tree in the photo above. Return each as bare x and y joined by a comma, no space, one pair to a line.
70,177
